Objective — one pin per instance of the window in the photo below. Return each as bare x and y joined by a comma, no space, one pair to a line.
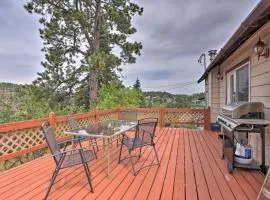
238,84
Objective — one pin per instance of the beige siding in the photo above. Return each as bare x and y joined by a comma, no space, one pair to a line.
259,82
214,95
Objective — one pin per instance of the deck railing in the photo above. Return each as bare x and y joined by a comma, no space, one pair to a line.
24,137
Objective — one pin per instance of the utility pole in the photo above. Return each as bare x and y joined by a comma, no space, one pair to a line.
202,61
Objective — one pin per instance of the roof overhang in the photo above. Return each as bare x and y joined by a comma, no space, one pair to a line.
254,21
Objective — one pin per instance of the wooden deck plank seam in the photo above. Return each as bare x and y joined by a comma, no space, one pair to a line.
86,194
130,178
216,170
153,191
215,191
242,182
148,154
129,191
143,190
172,159
221,168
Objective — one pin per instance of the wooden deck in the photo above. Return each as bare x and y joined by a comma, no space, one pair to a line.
190,169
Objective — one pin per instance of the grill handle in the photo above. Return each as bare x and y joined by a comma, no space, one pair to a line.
246,129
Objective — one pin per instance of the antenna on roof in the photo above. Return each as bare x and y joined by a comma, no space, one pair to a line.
202,60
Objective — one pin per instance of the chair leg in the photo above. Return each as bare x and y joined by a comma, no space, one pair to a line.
156,154
140,152
119,160
132,164
96,144
91,141
80,144
88,174
55,173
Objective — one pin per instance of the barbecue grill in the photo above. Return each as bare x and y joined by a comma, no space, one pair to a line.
241,117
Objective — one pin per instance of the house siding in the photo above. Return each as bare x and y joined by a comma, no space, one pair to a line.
259,84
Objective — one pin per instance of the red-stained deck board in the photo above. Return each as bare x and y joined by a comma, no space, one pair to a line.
146,156
132,190
167,190
122,188
242,181
165,171
190,168
179,179
211,181
231,179
190,181
219,176
201,185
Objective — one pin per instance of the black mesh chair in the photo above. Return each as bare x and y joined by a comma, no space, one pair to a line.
144,136
129,116
73,125
67,157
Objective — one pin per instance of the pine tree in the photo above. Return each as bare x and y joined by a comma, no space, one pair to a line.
79,36
137,87
137,84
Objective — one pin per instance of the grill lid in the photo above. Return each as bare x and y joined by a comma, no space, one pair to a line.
239,110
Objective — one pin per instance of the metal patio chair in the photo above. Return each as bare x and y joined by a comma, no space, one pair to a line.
73,125
144,136
129,116
66,158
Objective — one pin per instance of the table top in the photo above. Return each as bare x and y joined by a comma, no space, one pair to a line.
103,129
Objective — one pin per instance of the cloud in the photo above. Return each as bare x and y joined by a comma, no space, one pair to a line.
20,54
174,33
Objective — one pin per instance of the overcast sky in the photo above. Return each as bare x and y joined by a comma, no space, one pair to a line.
174,33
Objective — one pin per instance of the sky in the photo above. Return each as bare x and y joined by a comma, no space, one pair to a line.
174,33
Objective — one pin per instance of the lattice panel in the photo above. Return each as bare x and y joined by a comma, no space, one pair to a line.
19,140
109,116
85,121
184,117
142,115
60,128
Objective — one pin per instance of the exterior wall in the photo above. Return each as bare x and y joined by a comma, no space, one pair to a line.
259,83
215,95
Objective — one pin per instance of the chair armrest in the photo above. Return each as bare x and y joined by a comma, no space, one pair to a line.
71,140
67,151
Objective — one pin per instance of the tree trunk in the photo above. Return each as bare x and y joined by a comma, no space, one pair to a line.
93,82
93,79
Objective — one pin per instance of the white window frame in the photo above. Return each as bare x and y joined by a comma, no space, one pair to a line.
233,72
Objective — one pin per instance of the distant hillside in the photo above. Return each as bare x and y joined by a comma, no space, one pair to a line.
10,101
166,99
9,87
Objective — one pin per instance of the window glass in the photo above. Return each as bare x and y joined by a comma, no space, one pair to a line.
242,84
238,84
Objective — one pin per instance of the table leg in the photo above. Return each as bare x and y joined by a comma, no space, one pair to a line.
72,142
108,156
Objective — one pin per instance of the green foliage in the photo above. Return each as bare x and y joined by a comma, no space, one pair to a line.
33,102
79,37
116,95
137,87
165,99
137,84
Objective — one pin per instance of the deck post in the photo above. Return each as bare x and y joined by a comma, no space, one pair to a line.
161,117
97,115
118,113
207,118
52,119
